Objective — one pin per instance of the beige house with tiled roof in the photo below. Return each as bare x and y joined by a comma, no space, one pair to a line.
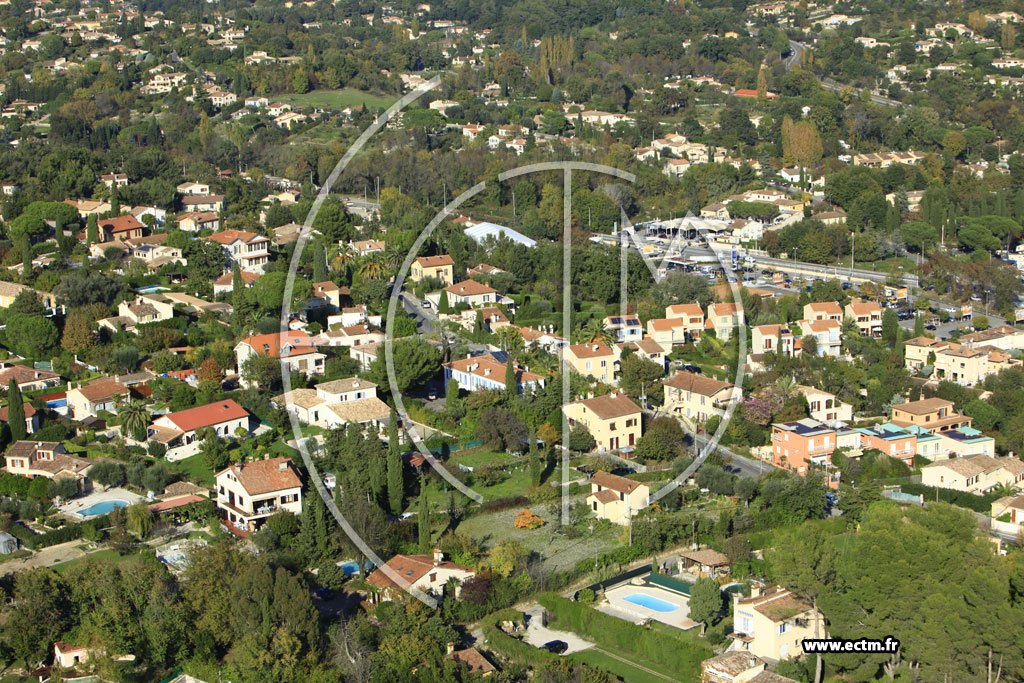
9,291
670,332
823,310
932,414
26,377
100,394
595,359
44,459
614,420
336,404
724,318
867,315
427,573
773,624
472,293
918,349
139,311
1002,337
439,267
479,373
616,498
737,666
973,473
697,397
248,493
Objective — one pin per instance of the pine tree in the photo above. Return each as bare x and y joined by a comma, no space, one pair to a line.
396,477
534,458
16,412
319,263
424,520
92,230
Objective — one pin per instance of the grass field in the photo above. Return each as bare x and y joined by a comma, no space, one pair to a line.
559,552
195,469
337,99
111,555
625,672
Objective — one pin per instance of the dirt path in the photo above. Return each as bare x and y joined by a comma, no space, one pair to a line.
47,557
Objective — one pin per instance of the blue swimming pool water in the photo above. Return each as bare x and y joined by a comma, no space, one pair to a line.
102,508
651,602
57,403
350,568
150,289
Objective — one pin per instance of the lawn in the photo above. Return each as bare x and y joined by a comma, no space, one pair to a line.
194,469
559,552
338,99
625,672
111,555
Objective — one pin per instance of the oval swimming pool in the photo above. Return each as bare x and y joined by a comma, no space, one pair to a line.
101,508
651,602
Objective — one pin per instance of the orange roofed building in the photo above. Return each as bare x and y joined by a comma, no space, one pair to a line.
248,493
427,573
296,348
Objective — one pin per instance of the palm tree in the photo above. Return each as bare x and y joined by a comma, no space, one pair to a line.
786,386
594,331
343,257
134,419
847,331
252,321
1005,490
372,268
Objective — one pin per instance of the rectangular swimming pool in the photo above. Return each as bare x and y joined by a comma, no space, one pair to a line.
651,602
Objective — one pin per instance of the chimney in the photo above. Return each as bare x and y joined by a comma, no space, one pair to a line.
755,589
590,394
614,394
283,466
451,647
438,557
753,662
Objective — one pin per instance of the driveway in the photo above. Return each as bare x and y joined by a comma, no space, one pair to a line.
538,635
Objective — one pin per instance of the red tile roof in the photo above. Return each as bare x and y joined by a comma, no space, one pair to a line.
206,416
120,224
298,342
265,476
229,236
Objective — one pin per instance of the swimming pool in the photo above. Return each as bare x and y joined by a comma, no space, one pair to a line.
350,568
57,403
150,289
102,508
651,602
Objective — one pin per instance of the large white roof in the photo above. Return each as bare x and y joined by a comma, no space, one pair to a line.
481,231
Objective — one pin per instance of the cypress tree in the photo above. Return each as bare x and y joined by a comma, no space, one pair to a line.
92,230
511,391
442,303
424,519
319,263
58,233
534,458
396,478
237,283
16,412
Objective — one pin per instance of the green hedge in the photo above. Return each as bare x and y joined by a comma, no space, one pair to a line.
971,501
664,648
68,532
520,653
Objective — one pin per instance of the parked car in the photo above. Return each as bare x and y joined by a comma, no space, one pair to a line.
426,304
556,646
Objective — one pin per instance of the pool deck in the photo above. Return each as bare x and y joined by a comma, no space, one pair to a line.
72,506
616,605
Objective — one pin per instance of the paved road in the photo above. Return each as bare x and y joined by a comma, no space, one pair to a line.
741,464
795,50
425,318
